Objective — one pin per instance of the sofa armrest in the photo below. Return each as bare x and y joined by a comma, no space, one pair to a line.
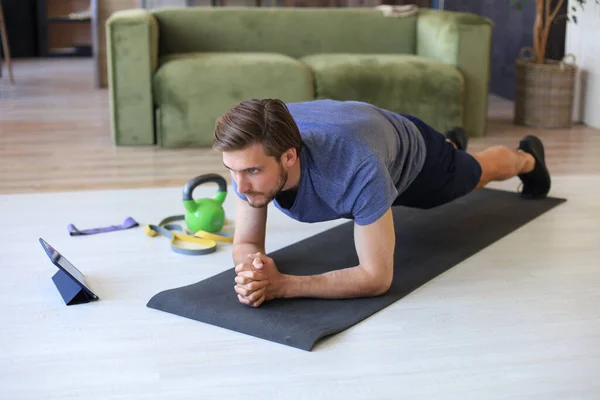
463,40
132,57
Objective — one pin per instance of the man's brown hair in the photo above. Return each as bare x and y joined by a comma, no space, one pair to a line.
264,121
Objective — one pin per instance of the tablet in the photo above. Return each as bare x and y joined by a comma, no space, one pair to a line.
64,265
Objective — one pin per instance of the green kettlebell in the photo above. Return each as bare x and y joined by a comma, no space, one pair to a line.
205,214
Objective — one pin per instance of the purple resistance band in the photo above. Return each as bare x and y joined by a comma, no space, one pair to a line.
127,224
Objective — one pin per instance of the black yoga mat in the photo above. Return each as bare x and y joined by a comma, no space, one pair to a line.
428,243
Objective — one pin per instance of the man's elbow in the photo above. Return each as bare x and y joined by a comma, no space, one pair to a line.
382,287
380,284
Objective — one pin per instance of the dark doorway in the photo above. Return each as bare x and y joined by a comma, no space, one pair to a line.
21,27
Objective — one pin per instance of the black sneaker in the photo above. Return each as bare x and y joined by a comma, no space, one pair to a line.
458,136
536,184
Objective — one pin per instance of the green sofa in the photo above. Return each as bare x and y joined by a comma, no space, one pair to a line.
173,71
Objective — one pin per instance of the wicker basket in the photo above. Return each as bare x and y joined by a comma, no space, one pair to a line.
544,93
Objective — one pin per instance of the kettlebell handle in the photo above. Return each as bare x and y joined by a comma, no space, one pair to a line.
199,180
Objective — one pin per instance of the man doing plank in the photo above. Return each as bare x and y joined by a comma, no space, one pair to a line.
326,159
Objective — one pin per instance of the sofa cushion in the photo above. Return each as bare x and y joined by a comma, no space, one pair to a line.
192,90
425,88
293,31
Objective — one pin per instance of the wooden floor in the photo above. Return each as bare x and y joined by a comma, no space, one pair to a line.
55,136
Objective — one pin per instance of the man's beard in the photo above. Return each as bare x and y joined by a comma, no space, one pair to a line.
283,177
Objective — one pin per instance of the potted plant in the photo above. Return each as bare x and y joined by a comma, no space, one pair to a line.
544,89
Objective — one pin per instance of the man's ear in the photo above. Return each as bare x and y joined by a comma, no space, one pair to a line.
289,157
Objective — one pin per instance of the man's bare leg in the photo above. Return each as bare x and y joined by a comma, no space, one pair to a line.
499,163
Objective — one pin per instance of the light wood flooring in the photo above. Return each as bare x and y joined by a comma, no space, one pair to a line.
55,136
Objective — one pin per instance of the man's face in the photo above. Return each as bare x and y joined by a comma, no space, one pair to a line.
259,177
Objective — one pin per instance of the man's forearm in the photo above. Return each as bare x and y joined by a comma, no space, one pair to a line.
344,283
241,251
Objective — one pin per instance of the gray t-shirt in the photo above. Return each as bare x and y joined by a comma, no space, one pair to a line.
356,160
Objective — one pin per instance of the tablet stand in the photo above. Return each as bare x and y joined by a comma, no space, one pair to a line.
69,289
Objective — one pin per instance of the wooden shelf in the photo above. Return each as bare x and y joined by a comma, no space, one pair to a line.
75,51
69,20
65,28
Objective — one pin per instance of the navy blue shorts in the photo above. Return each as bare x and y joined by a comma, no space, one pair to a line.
447,174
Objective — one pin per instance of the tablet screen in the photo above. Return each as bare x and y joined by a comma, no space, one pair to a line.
59,260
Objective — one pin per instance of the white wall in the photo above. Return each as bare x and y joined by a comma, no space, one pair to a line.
583,41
